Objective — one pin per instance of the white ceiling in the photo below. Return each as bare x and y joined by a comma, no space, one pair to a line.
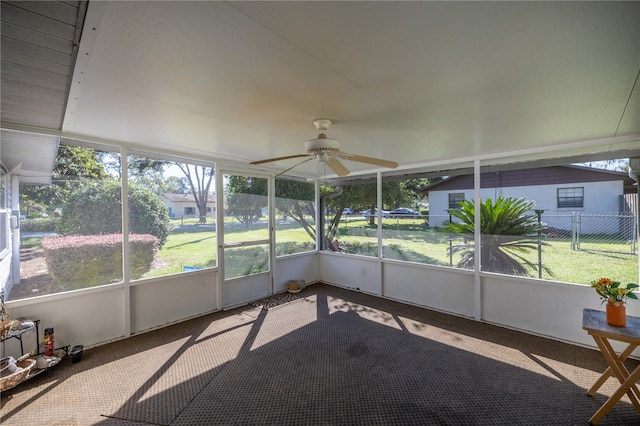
420,83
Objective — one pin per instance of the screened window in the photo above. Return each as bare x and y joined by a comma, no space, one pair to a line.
183,244
72,235
455,199
295,216
571,197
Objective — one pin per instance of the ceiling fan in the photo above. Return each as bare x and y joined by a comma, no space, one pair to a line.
328,151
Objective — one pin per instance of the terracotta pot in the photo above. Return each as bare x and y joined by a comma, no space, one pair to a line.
616,315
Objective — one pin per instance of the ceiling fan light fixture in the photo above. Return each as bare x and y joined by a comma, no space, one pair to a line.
323,156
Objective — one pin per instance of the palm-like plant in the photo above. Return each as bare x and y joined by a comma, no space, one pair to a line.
507,233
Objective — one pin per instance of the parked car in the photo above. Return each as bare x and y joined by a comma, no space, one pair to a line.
366,213
347,210
402,212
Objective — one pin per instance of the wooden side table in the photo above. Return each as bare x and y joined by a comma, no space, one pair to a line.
595,323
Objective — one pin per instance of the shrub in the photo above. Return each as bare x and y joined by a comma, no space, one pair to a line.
94,208
290,247
507,233
80,261
38,225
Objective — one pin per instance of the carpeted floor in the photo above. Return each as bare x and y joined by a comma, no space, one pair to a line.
334,357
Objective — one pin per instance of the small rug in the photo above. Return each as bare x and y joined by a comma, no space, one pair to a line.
275,300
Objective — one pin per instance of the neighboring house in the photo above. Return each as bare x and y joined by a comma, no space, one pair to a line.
184,206
558,190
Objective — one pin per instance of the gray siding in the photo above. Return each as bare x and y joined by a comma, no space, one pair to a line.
39,40
527,177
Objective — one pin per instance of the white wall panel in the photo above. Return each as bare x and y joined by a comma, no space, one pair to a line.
295,267
542,307
448,290
238,291
94,316
354,272
79,318
162,301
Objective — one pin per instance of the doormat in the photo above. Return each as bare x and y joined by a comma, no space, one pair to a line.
275,300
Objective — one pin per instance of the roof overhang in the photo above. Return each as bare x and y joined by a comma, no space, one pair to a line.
31,156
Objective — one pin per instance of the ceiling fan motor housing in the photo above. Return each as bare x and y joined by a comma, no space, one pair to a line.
322,147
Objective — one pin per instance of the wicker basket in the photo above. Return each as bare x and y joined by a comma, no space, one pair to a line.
24,368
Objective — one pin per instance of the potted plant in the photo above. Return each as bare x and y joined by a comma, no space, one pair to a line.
616,296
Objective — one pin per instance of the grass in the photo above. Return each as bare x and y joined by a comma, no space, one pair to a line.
404,239
195,245
411,240
185,248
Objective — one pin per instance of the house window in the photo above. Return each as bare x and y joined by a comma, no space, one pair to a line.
208,209
189,211
455,199
571,197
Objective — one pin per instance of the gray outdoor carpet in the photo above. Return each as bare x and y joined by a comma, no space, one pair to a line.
333,357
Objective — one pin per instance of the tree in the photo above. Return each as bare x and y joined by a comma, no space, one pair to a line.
94,208
507,231
176,185
246,198
72,164
362,195
75,162
200,179
296,200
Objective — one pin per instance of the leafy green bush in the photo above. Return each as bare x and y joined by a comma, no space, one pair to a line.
39,225
80,261
94,208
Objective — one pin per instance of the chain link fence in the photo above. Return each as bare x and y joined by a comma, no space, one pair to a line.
612,233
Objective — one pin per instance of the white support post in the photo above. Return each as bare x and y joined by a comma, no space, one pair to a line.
271,207
379,204
319,221
126,275
477,284
219,177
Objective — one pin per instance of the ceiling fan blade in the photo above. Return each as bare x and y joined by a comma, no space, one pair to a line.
368,160
286,157
294,166
339,168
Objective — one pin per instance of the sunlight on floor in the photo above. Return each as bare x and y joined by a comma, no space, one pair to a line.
364,312
480,347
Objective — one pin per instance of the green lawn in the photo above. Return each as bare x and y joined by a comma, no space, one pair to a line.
403,239
195,246
411,240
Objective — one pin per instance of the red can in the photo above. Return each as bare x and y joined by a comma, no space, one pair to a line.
48,341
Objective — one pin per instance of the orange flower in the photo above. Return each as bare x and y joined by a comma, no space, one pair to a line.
613,291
